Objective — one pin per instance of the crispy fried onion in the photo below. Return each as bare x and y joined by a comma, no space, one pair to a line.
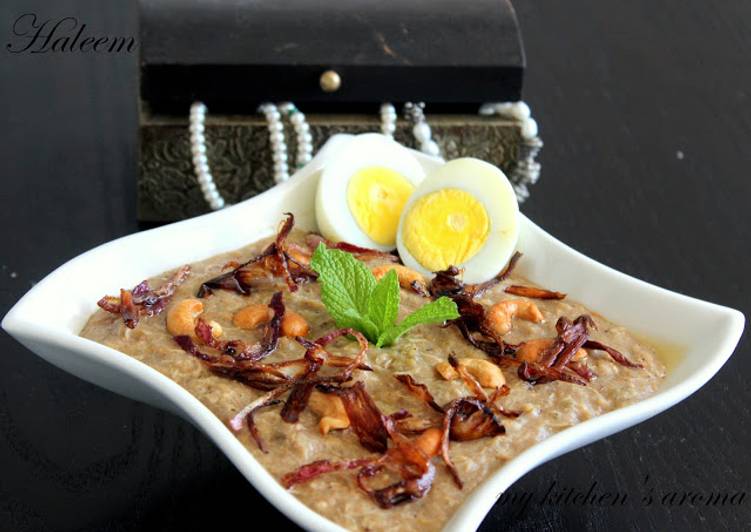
478,289
555,362
406,464
419,390
237,360
533,292
614,354
466,418
312,240
275,261
364,416
471,321
303,378
407,459
142,301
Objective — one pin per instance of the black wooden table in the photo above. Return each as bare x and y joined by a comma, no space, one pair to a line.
646,115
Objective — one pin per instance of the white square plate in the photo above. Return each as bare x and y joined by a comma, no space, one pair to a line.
49,317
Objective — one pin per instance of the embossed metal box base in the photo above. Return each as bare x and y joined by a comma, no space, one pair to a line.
240,157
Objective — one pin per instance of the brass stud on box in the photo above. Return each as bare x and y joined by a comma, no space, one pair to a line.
330,81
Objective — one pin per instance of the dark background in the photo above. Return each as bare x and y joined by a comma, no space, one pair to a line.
644,108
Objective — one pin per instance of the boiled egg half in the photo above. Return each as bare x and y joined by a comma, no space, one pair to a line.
463,214
362,192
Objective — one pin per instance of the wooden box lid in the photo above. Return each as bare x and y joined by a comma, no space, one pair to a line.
234,54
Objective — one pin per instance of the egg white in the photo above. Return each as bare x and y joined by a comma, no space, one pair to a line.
489,186
335,220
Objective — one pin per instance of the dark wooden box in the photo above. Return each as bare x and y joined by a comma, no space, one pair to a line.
235,54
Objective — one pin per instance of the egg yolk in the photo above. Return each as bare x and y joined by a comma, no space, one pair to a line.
446,227
376,197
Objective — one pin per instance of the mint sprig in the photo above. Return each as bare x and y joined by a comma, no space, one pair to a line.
355,299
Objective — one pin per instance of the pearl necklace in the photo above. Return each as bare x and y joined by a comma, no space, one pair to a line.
388,120
276,141
200,161
415,113
302,133
197,129
526,172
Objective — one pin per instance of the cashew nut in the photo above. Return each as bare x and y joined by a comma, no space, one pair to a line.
331,409
531,350
499,316
182,316
446,371
487,374
293,324
252,316
406,276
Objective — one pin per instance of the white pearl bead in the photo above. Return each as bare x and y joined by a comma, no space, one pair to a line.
197,127
297,118
529,128
431,148
275,127
421,131
486,109
387,109
520,110
200,160
198,149
276,138
504,108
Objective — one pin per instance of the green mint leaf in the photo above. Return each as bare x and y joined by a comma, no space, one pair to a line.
383,307
360,323
437,311
346,286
